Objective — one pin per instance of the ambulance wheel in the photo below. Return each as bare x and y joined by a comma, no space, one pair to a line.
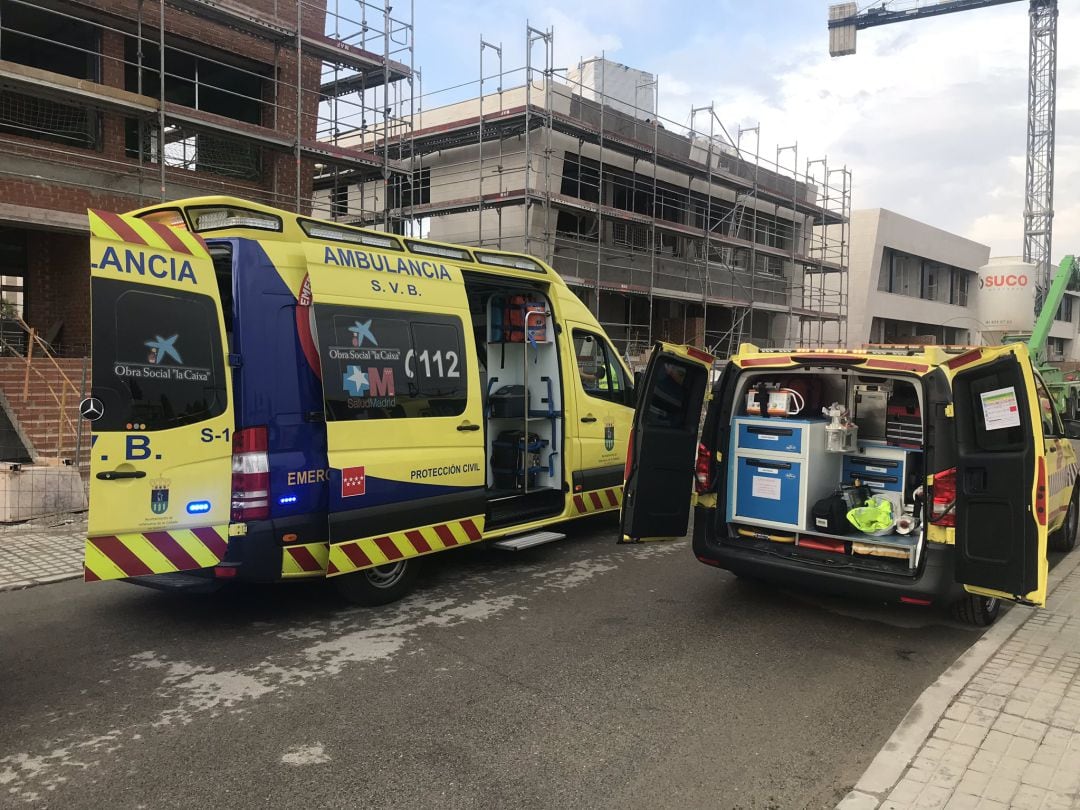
980,611
379,585
1064,539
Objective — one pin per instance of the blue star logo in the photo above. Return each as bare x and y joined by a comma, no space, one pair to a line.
355,381
160,348
362,332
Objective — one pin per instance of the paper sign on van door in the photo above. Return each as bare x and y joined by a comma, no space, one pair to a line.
1000,409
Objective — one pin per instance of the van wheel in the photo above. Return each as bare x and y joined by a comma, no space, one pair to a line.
980,611
379,585
1064,539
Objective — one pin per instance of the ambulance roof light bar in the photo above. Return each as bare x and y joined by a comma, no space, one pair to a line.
212,218
516,262
321,230
442,251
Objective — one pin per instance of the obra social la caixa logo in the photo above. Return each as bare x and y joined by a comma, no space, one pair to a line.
1004,280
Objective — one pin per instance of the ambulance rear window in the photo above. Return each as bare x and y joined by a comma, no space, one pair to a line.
380,364
157,357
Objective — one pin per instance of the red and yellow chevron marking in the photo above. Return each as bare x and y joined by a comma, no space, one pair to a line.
157,235
138,554
304,560
598,500
355,555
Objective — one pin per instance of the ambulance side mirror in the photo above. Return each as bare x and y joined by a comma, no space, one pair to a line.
1072,428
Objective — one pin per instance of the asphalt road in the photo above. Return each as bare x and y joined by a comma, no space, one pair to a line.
580,674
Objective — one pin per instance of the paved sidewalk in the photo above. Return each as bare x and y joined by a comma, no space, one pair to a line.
41,551
1001,728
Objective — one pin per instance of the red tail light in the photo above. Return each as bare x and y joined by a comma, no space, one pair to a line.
703,478
943,508
250,475
1040,492
629,457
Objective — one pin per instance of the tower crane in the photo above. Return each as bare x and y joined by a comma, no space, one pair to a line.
845,20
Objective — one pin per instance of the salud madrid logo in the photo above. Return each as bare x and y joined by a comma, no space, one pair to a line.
609,435
159,496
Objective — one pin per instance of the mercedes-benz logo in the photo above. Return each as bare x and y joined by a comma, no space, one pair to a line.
91,409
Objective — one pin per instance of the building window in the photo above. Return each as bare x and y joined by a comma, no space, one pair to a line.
43,39
577,226
339,200
1065,310
581,178
959,290
406,190
201,84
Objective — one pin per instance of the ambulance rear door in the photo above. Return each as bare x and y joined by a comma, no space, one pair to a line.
401,390
663,443
1001,476
160,409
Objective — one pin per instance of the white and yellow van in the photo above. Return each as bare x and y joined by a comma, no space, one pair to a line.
963,442
279,397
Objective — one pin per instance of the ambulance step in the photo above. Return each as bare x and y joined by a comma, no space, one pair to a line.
524,541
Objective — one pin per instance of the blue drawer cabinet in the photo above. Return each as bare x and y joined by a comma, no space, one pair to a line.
768,490
885,468
770,436
781,468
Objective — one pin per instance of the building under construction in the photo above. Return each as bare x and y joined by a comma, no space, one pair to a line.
667,231
116,104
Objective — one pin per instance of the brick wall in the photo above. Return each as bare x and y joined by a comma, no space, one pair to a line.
277,185
58,290
63,178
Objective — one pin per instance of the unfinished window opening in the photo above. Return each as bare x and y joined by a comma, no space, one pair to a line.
45,40
406,190
13,266
581,178
577,226
202,84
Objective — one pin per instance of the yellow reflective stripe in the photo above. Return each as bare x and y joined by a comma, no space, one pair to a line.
142,548
189,239
149,235
195,547
100,565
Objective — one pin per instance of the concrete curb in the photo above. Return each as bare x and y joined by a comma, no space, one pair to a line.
894,757
22,585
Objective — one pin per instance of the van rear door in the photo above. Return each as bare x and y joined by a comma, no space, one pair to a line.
1001,476
401,391
663,443
161,404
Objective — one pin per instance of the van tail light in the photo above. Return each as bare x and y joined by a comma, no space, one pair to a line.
1040,492
250,474
943,506
629,457
703,478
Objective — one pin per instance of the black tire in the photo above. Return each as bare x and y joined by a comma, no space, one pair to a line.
380,585
980,611
1064,539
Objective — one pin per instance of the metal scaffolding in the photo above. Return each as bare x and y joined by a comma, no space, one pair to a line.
666,230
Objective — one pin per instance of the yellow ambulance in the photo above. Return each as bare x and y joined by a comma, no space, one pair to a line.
958,451
277,397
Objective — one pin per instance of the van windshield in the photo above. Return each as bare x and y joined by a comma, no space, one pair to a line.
157,357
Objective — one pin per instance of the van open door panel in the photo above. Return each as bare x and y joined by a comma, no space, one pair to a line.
404,423
161,403
663,443
1001,487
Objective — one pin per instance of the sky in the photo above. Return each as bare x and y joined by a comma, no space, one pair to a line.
929,116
